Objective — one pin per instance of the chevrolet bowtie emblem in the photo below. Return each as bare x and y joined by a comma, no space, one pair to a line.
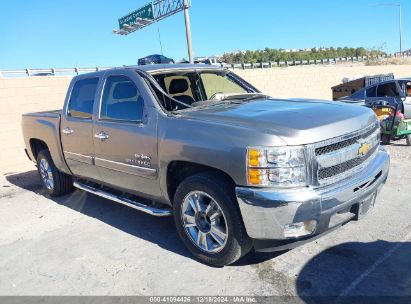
363,150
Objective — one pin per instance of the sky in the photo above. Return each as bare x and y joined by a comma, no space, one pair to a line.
70,33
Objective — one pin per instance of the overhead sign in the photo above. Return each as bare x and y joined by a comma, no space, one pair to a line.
150,13
144,13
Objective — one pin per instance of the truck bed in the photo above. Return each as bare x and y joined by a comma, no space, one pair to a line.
43,128
52,113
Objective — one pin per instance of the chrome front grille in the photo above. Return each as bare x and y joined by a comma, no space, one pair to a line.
328,172
341,157
345,143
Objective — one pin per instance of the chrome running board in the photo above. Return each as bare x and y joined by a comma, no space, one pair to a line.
125,201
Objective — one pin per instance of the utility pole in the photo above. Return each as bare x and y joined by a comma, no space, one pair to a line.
400,19
188,32
400,7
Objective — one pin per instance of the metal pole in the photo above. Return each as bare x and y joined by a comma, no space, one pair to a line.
159,39
400,29
188,32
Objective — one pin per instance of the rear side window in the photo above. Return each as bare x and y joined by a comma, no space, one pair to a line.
372,92
82,98
121,100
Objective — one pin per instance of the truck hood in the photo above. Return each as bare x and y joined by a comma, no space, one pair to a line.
297,121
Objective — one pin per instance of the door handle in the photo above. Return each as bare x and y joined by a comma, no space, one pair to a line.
102,136
67,131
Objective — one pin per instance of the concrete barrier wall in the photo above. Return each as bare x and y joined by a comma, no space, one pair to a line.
21,95
18,96
313,81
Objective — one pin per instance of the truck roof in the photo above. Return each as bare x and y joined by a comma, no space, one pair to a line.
151,68
165,67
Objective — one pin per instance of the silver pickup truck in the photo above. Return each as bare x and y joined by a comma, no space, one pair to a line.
237,169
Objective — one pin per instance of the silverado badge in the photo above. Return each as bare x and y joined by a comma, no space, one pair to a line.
363,150
140,160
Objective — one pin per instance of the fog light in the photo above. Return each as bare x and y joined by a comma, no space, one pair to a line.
294,230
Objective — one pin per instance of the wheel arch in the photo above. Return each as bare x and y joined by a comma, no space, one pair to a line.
177,171
37,145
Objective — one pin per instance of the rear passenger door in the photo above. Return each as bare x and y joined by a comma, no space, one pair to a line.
76,130
125,135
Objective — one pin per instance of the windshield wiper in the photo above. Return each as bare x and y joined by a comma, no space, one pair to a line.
238,99
244,97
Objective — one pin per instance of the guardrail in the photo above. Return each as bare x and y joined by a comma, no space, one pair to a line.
49,72
242,66
338,60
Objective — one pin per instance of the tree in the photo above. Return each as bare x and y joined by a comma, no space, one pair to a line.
282,55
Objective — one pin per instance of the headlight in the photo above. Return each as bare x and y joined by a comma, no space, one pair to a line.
279,166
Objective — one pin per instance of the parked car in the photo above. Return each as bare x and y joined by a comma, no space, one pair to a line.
212,61
154,59
396,91
216,62
350,86
235,168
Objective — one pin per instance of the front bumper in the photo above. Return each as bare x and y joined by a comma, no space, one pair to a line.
266,212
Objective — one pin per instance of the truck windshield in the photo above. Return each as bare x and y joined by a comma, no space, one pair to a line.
194,88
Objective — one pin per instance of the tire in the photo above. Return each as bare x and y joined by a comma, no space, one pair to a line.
225,216
54,181
385,139
408,139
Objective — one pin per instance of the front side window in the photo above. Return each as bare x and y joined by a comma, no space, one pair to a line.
82,98
387,90
121,100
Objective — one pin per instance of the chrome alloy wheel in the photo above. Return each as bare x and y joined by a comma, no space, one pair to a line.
46,174
204,222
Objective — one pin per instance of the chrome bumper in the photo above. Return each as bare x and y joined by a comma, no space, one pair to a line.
266,212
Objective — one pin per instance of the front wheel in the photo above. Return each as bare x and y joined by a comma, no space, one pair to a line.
209,221
55,182
408,139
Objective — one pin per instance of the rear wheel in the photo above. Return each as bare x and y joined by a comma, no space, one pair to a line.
408,139
55,182
209,221
385,139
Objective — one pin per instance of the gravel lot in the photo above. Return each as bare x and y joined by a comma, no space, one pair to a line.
84,245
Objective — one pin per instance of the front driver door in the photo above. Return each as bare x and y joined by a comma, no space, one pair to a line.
387,91
125,136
